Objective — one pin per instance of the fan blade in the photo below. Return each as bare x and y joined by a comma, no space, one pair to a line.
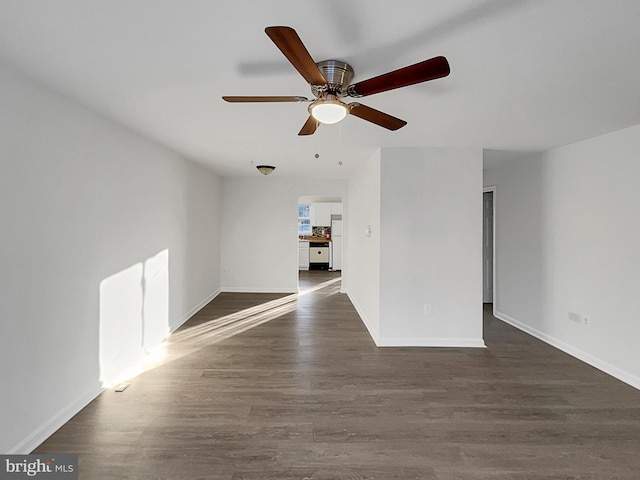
375,116
264,99
289,43
437,67
310,126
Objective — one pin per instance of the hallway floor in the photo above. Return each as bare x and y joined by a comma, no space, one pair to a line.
267,386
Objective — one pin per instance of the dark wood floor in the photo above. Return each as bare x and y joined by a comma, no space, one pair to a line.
305,394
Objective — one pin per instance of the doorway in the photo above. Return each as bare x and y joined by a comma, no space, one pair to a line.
488,245
319,226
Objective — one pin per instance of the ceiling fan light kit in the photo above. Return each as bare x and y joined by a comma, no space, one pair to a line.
330,80
329,110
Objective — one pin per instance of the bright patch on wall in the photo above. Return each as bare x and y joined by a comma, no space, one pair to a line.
134,316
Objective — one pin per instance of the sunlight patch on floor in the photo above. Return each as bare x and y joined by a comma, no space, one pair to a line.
192,339
248,318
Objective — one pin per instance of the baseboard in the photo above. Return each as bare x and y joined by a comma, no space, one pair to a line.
199,306
372,333
606,367
414,342
258,290
431,342
63,416
54,423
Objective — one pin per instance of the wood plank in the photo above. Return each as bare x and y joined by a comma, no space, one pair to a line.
308,395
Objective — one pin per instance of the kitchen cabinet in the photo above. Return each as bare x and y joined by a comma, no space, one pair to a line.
320,213
303,255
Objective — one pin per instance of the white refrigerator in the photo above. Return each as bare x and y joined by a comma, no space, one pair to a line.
336,245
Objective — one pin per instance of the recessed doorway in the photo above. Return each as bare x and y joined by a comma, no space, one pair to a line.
488,244
320,238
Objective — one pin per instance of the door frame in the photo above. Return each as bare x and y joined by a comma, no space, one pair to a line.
320,197
494,190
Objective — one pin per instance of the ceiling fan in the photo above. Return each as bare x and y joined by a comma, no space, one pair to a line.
330,80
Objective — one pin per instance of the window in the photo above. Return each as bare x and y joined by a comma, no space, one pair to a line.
304,220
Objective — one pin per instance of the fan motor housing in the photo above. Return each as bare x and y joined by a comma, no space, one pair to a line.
338,75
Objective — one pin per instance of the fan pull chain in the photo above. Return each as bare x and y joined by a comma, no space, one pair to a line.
340,144
315,141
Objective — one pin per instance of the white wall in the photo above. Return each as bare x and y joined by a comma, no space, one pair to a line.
567,233
425,211
97,224
363,286
431,247
259,247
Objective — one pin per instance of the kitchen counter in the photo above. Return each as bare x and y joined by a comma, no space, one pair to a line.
314,239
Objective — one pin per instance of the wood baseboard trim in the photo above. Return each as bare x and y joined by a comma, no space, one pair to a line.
65,414
415,342
47,429
372,333
195,309
285,290
581,355
432,342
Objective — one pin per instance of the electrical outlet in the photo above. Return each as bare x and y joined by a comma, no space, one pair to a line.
585,321
427,309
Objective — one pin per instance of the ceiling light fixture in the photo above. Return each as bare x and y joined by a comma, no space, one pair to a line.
265,169
328,110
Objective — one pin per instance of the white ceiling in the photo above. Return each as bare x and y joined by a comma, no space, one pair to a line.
526,75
